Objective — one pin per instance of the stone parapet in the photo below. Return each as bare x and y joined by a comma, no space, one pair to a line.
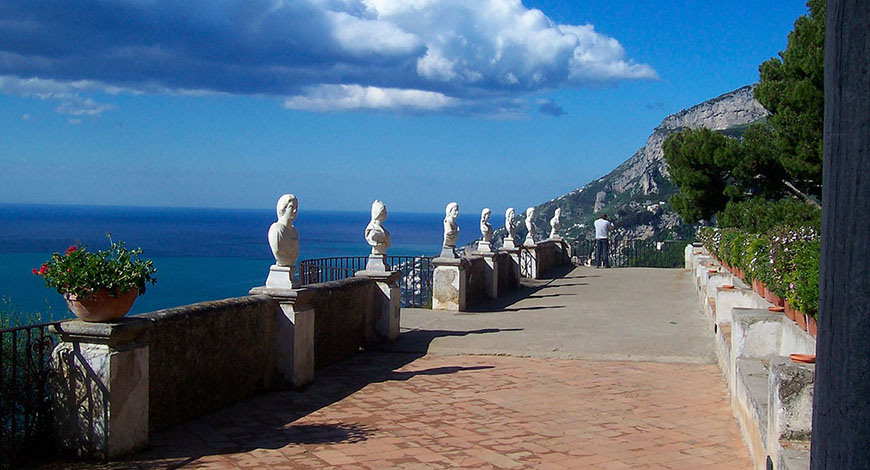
99,388
113,383
770,395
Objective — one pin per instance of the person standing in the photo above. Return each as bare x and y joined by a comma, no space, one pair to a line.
602,247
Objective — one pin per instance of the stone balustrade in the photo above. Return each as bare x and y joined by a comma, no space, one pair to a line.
459,283
115,382
771,396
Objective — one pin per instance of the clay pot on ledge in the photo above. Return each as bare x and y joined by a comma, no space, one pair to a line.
101,306
789,312
812,326
800,319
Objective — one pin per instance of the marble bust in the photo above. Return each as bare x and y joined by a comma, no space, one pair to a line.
376,235
509,224
485,231
485,226
556,224
283,237
530,226
451,230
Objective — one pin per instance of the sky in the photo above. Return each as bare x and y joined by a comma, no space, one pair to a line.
231,103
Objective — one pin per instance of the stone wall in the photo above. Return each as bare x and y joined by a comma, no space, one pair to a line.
344,320
208,355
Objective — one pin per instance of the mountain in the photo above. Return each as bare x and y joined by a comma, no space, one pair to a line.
635,194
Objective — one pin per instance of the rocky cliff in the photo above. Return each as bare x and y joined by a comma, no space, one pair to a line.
636,193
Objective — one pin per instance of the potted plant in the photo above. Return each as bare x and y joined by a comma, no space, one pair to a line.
98,286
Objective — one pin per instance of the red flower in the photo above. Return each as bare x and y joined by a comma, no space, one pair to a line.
35,272
42,270
71,250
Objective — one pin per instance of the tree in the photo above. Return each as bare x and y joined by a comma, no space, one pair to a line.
792,89
701,163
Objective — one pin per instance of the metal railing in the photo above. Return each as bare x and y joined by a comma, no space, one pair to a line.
26,426
634,253
415,284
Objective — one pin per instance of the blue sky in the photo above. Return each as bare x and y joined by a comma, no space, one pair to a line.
230,103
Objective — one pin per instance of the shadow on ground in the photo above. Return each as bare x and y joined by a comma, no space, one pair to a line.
267,421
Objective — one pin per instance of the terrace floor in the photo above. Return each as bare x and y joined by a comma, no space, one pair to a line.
597,369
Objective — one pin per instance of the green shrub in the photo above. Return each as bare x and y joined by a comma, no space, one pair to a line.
760,216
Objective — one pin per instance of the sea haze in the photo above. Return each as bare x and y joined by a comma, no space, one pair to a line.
200,254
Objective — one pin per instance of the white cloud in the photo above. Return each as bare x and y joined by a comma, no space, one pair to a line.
356,97
420,55
26,117
66,94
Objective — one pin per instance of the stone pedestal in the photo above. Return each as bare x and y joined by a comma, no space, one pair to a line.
512,259
448,252
484,247
282,277
508,244
449,284
294,334
388,302
99,389
376,263
491,275
529,261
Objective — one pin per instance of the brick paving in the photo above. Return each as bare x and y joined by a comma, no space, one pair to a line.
380,410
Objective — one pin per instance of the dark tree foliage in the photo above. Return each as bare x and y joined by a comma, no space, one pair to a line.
712,170
701,163
792,89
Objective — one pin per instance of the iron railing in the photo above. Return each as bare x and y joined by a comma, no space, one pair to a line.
415,284
634,253
25,409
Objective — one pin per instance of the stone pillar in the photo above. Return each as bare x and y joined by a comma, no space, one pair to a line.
512,258
450,284
294,334
99,389
388,302
491,277
529,261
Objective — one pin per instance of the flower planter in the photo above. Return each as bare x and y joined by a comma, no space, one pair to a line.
758,287
800,319
789,312
101,306
812,326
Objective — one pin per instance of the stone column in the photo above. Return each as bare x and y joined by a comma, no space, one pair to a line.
388,302
491,277
99,389
294,334
450,284
512,258
529,261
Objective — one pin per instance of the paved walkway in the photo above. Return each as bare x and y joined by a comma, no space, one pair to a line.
599,369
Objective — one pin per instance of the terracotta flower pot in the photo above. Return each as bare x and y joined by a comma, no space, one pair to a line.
803,358
769,295
101,306
758,287
800,319
778,301
789,312
812,326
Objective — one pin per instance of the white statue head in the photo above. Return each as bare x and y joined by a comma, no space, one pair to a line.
530,214
558,212
509,215
451,211
379,211
485,215
287,208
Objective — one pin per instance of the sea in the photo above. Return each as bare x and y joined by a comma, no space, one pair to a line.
200,254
